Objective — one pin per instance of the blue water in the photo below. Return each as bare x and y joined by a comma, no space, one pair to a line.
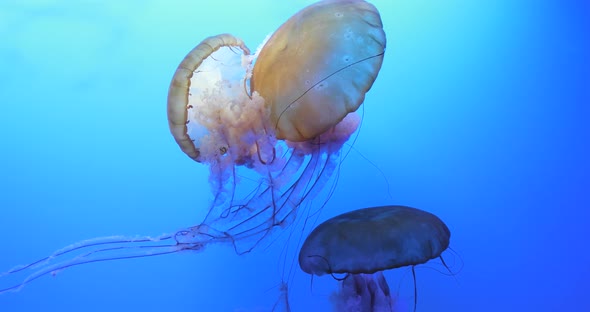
479,115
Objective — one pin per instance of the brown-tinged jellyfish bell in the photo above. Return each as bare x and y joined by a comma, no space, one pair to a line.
318,66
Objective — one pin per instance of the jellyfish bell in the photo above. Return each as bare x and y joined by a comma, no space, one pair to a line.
365,242
394,236
178,106
317,67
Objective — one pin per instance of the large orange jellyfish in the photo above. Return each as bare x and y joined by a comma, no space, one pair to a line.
363,243
278,118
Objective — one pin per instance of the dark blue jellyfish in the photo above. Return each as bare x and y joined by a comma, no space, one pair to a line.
363,243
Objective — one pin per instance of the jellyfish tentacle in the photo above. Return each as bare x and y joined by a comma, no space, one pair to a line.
415,287
109,249
73,248
284,207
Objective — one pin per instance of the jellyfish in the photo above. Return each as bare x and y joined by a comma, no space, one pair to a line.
270,126
363,243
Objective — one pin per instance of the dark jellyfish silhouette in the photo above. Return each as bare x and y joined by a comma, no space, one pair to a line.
363,243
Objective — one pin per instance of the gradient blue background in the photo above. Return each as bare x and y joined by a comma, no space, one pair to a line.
478,115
